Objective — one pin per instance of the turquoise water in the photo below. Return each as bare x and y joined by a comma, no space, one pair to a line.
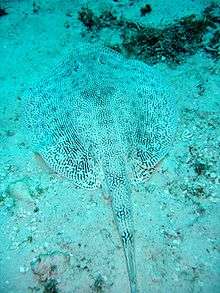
110,159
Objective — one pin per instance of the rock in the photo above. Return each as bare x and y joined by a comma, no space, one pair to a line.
50,266
9,203
23,269
19,191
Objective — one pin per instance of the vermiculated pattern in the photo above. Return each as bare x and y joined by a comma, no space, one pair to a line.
100,119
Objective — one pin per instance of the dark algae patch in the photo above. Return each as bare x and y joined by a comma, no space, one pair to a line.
35,7
200,168
145,9
99,285
92,21
3,12
213,47
51,286
87,17
171,44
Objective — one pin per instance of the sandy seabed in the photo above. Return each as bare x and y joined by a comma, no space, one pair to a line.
54,238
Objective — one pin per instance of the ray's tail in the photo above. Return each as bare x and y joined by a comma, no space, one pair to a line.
120,191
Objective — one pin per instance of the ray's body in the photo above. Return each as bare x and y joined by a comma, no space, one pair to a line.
98,118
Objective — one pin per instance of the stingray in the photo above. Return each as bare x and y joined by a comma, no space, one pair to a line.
101,120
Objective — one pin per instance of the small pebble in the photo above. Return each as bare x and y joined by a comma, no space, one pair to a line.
22,270
19,191
9,203
176,242
66,24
